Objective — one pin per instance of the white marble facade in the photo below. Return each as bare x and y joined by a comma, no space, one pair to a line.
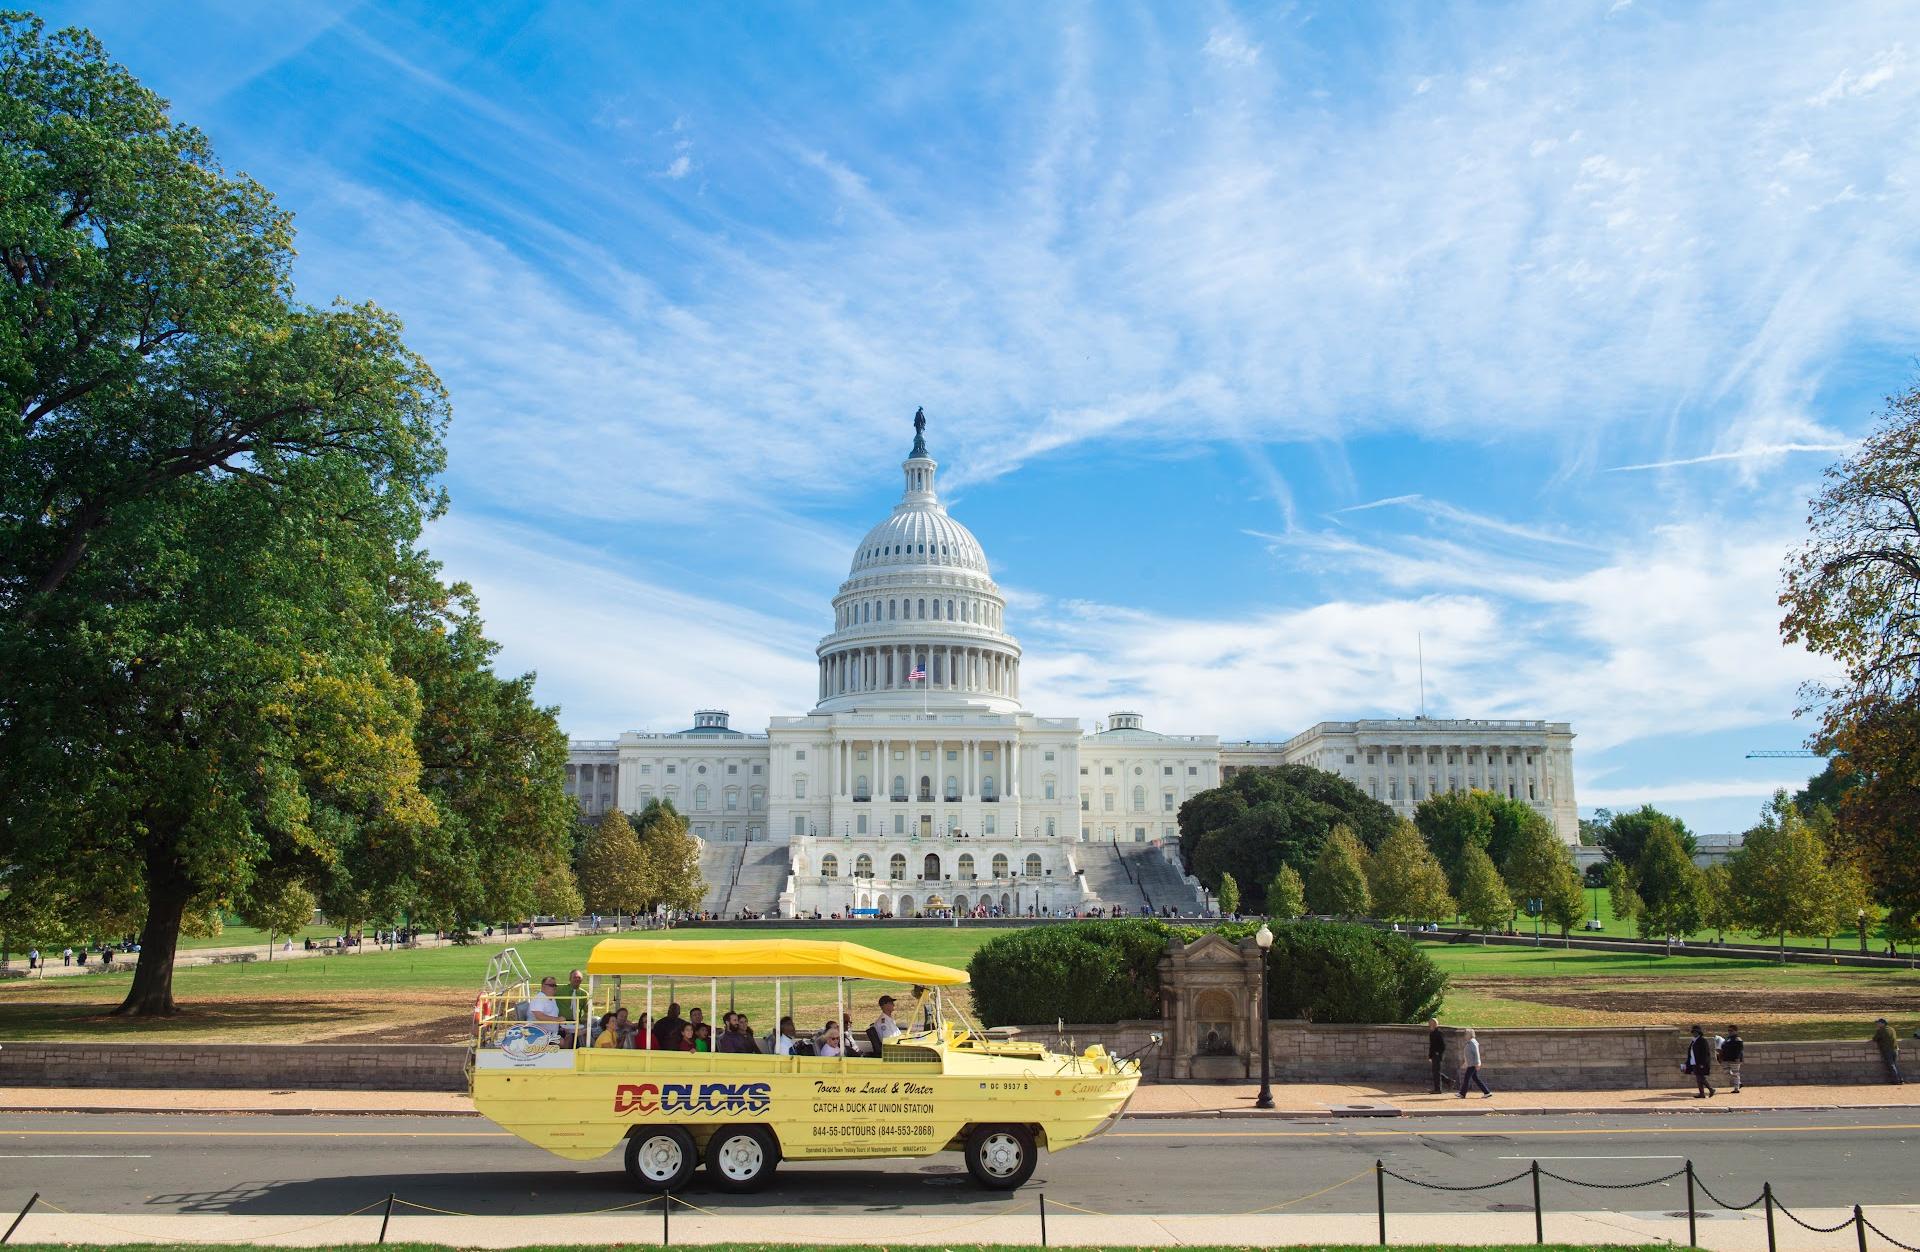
920,775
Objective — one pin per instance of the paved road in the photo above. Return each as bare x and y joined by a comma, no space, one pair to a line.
265,1165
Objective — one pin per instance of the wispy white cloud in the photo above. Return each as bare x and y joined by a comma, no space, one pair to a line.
1688,792
1453,514
1738,454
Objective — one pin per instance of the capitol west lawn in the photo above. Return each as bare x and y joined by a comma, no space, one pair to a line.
425,995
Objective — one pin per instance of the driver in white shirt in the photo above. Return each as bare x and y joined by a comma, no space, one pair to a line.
884,1027
543,1009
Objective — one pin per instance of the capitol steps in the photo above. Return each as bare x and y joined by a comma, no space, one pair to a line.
759,880
1162,882
719,866
1127,876
1108,875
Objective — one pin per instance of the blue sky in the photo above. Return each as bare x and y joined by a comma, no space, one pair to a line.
1256,341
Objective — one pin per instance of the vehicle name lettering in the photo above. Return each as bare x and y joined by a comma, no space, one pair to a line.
686,1097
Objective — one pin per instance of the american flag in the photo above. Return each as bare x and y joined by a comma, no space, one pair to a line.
919,675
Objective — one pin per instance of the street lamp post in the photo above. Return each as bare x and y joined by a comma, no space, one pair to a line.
1264,939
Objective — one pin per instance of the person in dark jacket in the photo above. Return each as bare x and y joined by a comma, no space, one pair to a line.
1733,1051
1436,1050
1889,1045
666,1032
1700,1064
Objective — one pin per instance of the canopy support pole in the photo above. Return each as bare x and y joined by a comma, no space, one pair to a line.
840,1018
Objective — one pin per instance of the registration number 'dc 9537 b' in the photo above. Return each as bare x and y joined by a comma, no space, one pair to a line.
669,1098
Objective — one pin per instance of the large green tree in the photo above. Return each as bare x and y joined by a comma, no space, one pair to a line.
1851,595
1261,819
1454,820
1483,897
1627,832
1779,879
1337,887
1405,878
1669,886
613,869
1286,895
672,855
216,688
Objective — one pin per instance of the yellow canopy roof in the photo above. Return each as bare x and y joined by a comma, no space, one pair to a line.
763,958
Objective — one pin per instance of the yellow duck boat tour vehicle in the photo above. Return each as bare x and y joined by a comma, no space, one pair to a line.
941,1084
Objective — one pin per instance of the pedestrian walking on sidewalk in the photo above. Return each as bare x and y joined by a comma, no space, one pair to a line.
1733,1051
1700,1063
1436,1051
1889,1045
1470,1071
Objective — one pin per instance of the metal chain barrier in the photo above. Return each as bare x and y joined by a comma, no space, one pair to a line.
1731,1208
1818,1230
1889,1238
1612,1186
1441,1186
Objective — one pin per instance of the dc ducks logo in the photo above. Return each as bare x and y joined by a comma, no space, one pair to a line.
685,1097
524,1043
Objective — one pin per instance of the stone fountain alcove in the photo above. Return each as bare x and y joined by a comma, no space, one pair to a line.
1210,992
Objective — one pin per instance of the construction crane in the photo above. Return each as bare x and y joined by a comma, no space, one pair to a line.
1784,754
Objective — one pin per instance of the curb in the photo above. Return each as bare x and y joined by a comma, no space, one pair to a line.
1378,1113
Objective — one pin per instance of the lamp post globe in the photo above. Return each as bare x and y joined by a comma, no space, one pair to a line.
1263,939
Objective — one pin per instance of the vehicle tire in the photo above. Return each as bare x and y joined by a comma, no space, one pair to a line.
1001,1158
661,1158
742,1157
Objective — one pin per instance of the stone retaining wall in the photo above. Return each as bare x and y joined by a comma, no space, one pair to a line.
1390,1056
309,1066
1569,1059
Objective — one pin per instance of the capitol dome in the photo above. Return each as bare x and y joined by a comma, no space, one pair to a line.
919,600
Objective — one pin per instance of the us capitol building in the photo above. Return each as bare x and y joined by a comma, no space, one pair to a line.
919,780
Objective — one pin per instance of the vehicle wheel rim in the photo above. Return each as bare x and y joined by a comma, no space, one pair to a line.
741,1158
660,1159
1000,1155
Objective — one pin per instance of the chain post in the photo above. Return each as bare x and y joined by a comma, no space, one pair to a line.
386,1217
666,1213
1380,1196
1043,1219
1859,1227
1539,1223
35,1199
1693,1229
1766,1195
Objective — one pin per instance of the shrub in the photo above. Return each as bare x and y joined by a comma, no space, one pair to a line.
1106,971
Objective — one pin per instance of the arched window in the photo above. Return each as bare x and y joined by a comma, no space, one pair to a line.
953,787
1047,785
733,799
860,789
1139,799
700,796
863,866
926,787
930,866
829,866
986,787
949,610
999,865
800,787
936,610
923,609
757,798
899,786
897,866
965,868
1033,865
891,609
1049,828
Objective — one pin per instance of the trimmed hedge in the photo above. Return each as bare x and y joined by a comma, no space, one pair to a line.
1109,971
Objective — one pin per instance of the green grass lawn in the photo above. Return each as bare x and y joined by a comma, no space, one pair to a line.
1599,904
426,995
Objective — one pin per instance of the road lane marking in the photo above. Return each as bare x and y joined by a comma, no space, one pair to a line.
1623,1131
1406,1133
79,1156
1591,1158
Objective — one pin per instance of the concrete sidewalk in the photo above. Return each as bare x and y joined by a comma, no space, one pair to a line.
1016,1222
1154,1100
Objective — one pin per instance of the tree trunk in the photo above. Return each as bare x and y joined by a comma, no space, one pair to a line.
152,992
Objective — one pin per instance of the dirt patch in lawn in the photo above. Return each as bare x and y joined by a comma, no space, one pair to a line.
1660,1000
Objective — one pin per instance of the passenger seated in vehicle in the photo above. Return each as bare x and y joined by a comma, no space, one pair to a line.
849,1042
640,1037
783,1039
738,1036
827,1042
613,1028
666,1032
702,1037
687,1041
544,1010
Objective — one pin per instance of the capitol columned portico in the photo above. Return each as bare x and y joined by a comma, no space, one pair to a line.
919,781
